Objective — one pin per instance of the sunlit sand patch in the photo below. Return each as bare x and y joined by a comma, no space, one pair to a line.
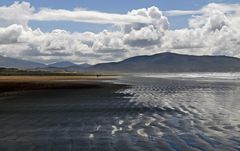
121,122
98,127
150,120
140,115
91,136
182,110
115,129
141,132
166,104
130,126
162,124
135,122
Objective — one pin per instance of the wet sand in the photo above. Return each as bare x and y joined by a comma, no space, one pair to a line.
16,84
152,114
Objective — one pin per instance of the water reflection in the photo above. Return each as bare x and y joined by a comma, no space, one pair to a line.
196,112
151,114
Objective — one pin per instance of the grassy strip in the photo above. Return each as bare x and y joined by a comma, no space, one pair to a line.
17,72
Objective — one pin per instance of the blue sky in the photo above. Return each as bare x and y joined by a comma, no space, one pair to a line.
94,31
112,6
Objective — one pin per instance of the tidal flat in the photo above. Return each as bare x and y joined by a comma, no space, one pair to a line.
126,113
19,84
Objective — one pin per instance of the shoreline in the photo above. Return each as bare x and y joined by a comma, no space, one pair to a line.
18,84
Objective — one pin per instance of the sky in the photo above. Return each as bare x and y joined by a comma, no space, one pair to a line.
89,31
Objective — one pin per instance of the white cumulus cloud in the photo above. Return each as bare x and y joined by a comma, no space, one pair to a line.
214,29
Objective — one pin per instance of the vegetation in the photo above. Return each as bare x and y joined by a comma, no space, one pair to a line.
15,80
18,72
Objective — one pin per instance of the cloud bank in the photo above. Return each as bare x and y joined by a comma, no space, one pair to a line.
214,29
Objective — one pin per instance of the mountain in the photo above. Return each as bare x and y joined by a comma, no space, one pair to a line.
66,66
62,64
162,62
171,62
7,62
85,65
79,67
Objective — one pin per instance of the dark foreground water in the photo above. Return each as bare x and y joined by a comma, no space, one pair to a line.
154,113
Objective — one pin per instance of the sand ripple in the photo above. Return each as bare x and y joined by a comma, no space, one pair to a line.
151,114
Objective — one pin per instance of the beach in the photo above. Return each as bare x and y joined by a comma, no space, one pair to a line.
131,113
14,84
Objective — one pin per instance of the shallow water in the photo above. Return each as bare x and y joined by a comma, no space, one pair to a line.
154,113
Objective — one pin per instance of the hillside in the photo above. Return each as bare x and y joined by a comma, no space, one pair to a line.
171,62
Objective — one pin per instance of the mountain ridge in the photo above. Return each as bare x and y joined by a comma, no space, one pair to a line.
7,62
161,62
61,64
172,62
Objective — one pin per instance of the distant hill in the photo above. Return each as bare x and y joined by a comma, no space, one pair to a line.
62,64
79,67
7,62
171,62
68,66
162,62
